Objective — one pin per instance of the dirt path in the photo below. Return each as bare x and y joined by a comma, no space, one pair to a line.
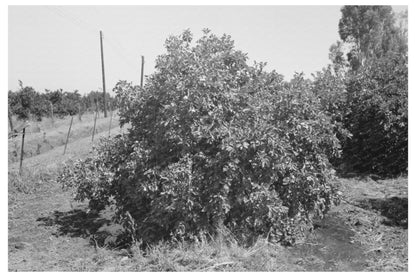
331,247
32,245
367,231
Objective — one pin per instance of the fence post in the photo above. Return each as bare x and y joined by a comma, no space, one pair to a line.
67,136
22,151
95,121
53,121
10,121
96,107
79,112
111,118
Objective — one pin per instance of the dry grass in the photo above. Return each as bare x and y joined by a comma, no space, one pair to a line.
216,255
378,213
44,136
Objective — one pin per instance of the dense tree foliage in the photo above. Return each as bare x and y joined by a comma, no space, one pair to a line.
26,103
213,142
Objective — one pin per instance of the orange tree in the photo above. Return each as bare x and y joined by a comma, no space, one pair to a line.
213,142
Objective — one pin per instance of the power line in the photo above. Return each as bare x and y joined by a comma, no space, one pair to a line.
76,20
117,48
80,21
64,15
119,52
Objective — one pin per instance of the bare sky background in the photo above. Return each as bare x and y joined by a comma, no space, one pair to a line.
52,47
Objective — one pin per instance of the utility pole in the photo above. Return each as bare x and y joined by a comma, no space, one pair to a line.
102,67
141,77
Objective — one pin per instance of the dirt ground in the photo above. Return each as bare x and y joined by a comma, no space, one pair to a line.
48,231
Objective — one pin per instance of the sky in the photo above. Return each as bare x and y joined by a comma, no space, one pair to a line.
53,47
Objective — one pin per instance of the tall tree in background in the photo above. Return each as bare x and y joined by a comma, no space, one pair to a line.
371,31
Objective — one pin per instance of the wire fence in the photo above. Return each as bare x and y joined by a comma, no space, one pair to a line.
29,139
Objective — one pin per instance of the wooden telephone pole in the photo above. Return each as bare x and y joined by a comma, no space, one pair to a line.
102,67
141,75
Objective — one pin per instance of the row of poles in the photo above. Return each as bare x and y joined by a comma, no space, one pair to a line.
72,118
103,71
93,129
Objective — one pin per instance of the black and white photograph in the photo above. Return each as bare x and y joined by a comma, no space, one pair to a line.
206,137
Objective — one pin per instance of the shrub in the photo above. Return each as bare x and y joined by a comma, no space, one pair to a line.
213,142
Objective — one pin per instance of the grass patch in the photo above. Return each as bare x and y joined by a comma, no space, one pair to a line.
44,136
219,254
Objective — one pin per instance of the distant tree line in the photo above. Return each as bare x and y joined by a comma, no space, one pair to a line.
27,103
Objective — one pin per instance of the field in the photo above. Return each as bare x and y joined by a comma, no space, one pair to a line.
48,231
47,134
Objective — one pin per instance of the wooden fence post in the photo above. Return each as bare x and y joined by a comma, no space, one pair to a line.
93,131
91,109
79,112
22,151
67,136
10,122
96,107
53,121
111,118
